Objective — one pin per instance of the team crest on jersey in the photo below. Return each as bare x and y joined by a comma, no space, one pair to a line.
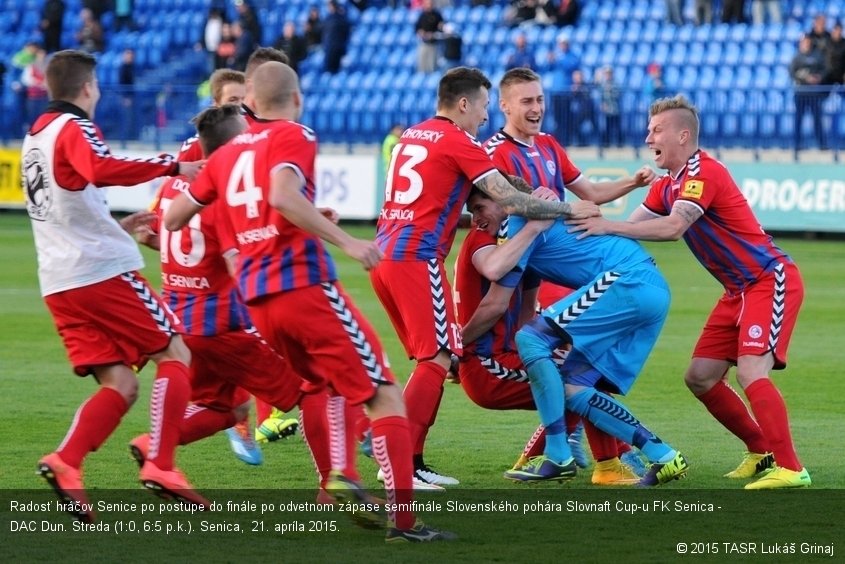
755,331
36,185
551,167
692,189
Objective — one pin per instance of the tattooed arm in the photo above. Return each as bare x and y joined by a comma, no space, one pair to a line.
641,226
515,202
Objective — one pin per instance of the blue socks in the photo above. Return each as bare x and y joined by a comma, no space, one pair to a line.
614,419
535,349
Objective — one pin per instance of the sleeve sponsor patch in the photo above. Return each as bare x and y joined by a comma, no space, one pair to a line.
693,189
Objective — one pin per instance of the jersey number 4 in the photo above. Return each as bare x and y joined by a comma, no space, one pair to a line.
241,189
410,156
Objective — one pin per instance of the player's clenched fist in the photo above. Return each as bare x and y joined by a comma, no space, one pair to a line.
644,176
365,252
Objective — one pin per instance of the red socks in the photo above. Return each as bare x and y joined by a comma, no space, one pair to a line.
171,392
94,421
770,410
392,451
602,445
422,398
262,411
314,426
200,422
728,408
536,444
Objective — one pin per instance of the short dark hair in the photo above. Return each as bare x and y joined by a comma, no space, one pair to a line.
518,75
67,72
460,82
264,55
216,126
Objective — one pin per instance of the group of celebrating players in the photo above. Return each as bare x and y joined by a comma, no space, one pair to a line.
251,304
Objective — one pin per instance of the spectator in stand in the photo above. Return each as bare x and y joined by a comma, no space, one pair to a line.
674,12
123,14
453,46
335,36
428,28
521,55
249,22
835,56
520,12
759,9
654,87
20,61
90,34
211,36
819,35
226,49
564,62
313,28
390,141
703,12
807,70
97,7
126,80
610,108
581,109
244,45
733,11
568,12
52,17
293,45
34,80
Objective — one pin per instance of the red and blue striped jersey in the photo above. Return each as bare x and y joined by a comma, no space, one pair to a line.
196,284
545,163
431,172
727,240
275,255
470,287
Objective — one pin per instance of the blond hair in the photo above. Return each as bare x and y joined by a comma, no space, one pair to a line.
222,77
689,113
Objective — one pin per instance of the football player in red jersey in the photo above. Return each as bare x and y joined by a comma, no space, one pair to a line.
751,325
227,351
266,179
109,319
431,171
234,87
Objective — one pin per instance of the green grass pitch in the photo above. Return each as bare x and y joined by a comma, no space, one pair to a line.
40,394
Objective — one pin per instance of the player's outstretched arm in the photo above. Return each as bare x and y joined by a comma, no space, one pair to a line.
607,191
491,308
286,197
668,228
138,225
515,202
180,212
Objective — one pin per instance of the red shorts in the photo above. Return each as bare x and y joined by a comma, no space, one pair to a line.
325,338
549,293
499,383
756,322
418,299
117,321
223,364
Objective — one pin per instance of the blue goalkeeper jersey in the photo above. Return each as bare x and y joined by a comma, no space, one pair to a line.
559,257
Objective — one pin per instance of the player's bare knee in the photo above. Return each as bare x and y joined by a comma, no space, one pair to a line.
121,379
386,402
746,378
699,382
176,350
